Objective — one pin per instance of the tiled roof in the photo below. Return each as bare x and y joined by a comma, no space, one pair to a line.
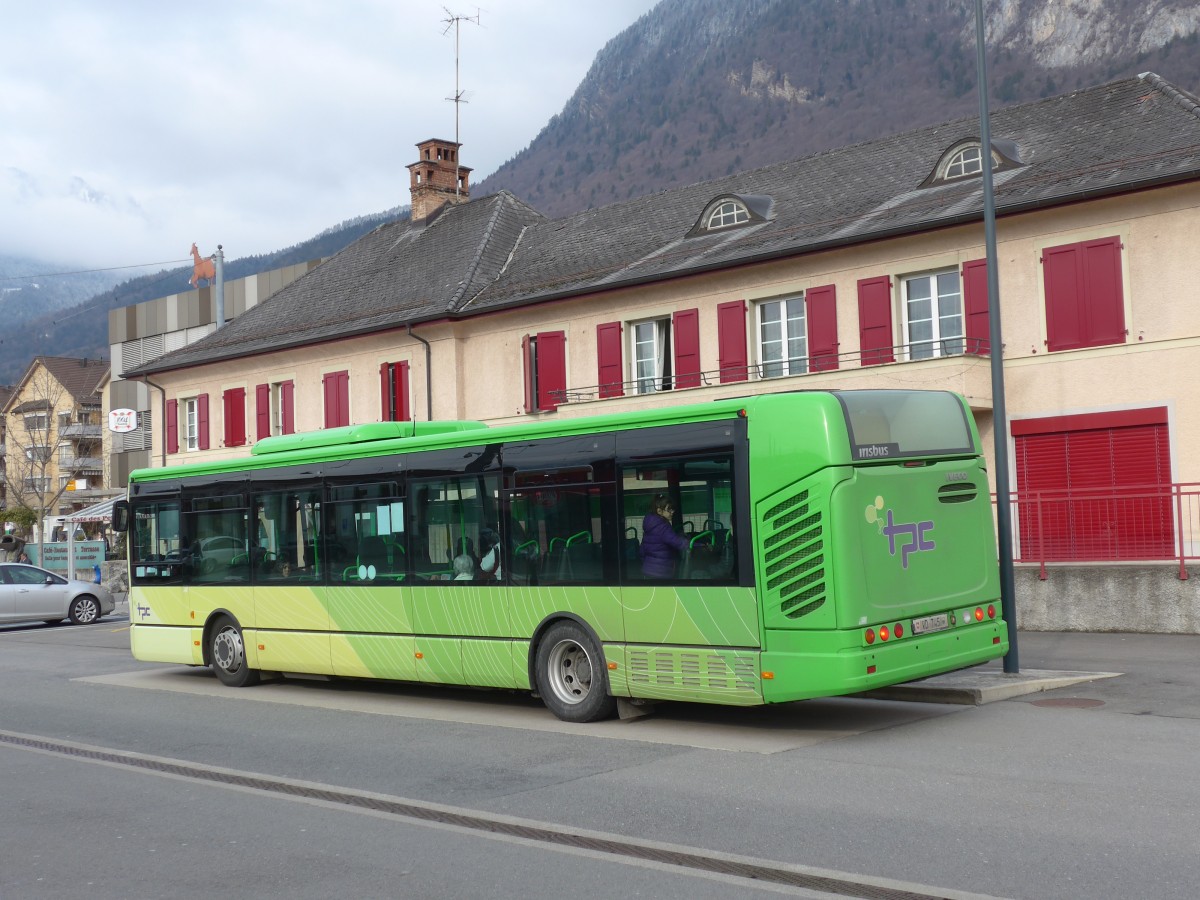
399,273
79,377
497,252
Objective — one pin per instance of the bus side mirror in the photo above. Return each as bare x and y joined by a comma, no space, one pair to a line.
120,516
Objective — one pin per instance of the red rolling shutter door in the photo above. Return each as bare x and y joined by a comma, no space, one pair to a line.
202,421
611,371
262,411
975,306
552,369
875,321
820,309
1095,487
1085,305
731,341
287,399
686,324
234,412
172,426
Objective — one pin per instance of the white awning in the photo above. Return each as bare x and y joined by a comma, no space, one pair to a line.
101,512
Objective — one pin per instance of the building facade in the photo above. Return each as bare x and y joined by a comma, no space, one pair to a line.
857,268
143,332
54,438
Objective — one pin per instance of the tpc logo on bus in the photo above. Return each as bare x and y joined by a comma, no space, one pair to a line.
915,532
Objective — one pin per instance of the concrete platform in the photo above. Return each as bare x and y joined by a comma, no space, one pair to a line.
974,687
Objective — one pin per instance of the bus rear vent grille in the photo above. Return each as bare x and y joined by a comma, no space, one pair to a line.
693,669
794,556
957,492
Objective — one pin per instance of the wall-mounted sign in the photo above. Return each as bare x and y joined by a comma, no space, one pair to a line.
122,420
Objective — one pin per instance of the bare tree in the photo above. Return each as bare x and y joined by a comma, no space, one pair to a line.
33,469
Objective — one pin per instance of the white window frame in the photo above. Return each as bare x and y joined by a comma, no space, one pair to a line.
191,424
726,214
941,340
788,354
650,355
275,408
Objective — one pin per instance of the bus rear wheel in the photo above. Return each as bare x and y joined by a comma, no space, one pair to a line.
571,675
227,653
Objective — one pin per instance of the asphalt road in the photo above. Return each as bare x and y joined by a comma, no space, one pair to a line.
124,779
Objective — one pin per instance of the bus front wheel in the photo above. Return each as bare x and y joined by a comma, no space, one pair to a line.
571,675
227,653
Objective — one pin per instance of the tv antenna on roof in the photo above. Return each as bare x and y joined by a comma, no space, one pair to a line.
454,21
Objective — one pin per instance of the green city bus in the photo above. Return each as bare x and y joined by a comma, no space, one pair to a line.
822,543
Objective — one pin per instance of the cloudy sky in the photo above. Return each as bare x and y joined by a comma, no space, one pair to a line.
130,129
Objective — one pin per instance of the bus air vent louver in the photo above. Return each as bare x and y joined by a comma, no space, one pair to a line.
957,492
794,556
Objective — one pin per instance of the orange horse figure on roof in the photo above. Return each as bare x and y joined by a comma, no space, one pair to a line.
201,268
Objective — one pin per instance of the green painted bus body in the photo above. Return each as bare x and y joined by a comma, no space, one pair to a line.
839,546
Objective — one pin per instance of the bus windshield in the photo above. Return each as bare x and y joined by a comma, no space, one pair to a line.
895,424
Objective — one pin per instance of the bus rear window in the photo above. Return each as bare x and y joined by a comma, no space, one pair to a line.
897,424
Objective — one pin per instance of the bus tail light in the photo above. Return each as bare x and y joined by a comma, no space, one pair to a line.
991,611
883,632
870,670
979,614
869,635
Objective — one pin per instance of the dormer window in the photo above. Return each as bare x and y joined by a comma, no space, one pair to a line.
964,160
967,161
731,211
727,214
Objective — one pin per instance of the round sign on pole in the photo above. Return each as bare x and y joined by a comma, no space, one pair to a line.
121,420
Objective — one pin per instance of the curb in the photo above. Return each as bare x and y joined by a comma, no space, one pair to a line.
976,688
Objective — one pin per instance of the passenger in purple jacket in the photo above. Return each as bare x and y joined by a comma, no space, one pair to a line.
661,546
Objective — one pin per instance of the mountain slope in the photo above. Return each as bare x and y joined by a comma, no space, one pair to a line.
697,89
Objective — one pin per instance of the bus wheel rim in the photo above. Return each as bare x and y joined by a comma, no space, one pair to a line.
228,652
570,672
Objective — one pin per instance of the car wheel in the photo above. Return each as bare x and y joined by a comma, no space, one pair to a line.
227,653
85,609
571,675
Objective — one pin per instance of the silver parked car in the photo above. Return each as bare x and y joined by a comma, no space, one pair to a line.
28,593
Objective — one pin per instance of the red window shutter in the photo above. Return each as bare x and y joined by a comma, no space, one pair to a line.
1085,301
975,305
875,339
731,341
611,371
551,369
403,410
337,399
287,399
262,411
172,426
527,350
820,311
329,389
202,421
1064,298
233,403
385,392
1105,293
687,347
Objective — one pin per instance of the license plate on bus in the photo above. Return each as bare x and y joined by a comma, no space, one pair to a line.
930,624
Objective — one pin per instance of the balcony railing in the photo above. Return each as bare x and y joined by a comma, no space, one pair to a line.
1155,523
81,463
969,348
80,431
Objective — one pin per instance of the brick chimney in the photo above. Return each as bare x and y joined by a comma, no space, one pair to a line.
437,179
